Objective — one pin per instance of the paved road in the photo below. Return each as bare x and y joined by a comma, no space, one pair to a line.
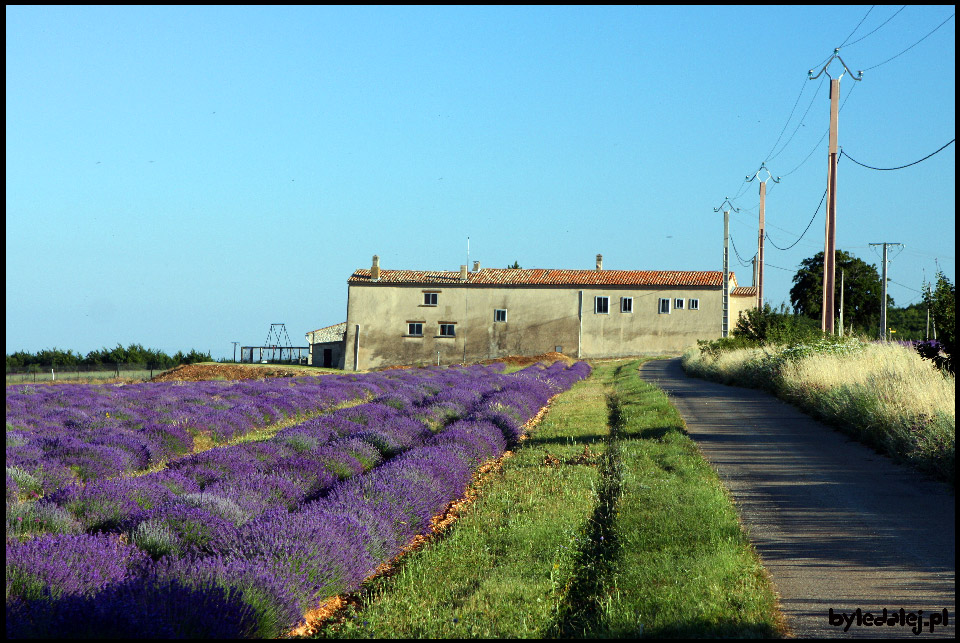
836,524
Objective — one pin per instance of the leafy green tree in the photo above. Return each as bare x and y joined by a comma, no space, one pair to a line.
195,356
908,323
766,325
942,301
18,359
104,358
515,266
862,290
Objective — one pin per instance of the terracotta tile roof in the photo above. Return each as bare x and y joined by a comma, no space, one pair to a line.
744,291
548,277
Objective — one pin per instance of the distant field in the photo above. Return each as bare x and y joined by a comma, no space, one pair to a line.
200,371
81,376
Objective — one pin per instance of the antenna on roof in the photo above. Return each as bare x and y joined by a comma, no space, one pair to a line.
468,250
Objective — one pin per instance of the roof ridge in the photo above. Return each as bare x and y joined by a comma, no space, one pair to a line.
551,276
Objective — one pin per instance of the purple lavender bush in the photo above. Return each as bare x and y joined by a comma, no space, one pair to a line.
262,531
137,607
53,565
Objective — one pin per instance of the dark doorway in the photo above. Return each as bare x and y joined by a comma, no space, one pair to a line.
327,357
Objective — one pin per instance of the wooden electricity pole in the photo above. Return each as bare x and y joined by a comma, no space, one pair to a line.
841,303
830,237
830,241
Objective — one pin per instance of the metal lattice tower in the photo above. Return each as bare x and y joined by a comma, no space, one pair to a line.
277,338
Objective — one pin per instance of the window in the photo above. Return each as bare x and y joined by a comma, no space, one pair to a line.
678,304
664,306
429,299
415,329
601,305
694,304
500,315
448,330
626,304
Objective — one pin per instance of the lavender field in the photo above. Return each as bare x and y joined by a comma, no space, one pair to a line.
118,524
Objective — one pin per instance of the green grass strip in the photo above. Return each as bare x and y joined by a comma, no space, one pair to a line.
605,523
684,566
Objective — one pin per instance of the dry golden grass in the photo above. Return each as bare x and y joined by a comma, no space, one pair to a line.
908,385
886,395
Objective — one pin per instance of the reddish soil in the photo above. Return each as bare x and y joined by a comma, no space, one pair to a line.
200,372
516,360
526,360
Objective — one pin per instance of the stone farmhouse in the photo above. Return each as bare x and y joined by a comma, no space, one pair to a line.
326,346
422,317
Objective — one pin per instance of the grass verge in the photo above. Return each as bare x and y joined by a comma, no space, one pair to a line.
606,522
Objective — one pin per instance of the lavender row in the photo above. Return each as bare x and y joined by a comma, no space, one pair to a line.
267,572
60,434
56,435
234,484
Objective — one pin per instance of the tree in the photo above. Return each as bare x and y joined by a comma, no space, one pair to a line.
515,266
908,323
942,301
862,290
770,326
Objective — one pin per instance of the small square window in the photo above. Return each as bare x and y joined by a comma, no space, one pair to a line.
448,330
601,305
626,304
664,306
429,299
500,315
678,304
694,304
415,329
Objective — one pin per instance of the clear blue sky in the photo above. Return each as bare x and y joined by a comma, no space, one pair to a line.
182,177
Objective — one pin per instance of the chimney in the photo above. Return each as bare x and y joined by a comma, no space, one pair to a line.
463,272
476,266
375,269
599,262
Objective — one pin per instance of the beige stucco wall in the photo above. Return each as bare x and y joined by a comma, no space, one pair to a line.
539,319
739,305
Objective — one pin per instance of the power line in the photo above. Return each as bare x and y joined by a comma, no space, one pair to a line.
770,265
797,102
878,28
805,230
799,125
913,45
907,287
739,258
817,146
887,169
858,26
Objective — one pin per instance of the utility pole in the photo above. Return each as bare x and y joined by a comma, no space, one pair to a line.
841,303
762,231
883,304
725,322
830,242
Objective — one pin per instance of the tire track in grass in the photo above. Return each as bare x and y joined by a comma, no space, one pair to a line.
581,611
